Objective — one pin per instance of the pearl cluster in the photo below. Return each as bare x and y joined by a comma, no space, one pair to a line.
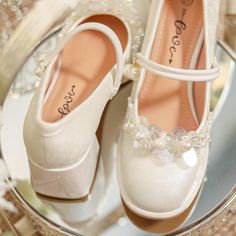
157,141
132,72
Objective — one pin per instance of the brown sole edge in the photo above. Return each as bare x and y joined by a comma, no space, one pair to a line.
161,226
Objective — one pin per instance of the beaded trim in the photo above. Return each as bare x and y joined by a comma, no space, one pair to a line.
157,141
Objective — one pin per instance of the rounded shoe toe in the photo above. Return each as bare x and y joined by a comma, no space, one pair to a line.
155,188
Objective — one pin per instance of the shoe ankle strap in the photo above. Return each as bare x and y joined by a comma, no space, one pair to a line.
176,73
115,42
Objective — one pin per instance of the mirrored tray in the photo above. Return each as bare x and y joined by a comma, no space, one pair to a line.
214,205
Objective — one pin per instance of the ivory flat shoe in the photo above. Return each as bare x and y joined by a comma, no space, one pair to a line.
83,73
164,143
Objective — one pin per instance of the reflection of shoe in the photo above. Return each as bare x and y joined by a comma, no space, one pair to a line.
61,123
160,170
164,226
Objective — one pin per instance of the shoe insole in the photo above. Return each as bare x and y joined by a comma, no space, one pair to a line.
165,102
84,61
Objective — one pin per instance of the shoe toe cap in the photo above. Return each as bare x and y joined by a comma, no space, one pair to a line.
154,186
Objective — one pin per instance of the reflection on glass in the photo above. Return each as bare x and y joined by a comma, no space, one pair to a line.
26,80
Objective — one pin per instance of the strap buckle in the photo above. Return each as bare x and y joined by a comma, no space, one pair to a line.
132,71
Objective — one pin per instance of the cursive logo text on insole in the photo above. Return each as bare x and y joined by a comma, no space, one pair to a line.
65,108
180,27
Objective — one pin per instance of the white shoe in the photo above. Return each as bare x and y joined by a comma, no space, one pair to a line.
164,144
83,74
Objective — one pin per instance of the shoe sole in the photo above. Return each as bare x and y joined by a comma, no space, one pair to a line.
82,209
162,226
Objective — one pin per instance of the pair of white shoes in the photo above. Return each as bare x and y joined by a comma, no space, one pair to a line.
164,142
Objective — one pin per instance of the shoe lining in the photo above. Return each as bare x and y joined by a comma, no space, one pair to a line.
164,102
85,60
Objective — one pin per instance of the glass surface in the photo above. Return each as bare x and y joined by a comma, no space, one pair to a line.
27,80
110,218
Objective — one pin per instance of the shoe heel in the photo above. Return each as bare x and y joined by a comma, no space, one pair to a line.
69,183
73,212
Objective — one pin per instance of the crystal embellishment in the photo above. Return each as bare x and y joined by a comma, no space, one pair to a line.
179,144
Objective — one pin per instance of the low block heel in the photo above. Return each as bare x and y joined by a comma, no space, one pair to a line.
69,183
72,211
